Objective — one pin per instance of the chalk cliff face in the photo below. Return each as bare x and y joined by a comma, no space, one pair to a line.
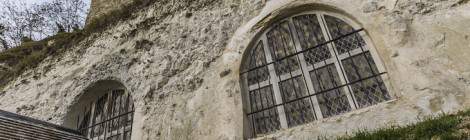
100,7
180,60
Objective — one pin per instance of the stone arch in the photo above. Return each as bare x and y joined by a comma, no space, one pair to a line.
290,11
108,90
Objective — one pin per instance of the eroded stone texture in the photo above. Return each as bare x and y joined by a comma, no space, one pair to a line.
100,7
180,60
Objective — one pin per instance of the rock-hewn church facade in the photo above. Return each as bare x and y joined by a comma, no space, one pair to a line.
254,69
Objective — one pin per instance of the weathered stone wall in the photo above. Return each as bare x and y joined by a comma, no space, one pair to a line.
101,7
180,60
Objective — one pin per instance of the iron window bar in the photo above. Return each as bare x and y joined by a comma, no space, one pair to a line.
303,51
107,121
109,117
318,93
312,70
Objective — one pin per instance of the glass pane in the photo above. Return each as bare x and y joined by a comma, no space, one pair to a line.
338,28
266,117
262,98
281,45
370,92
331,97
308,30
112,114
127,135
118,100
317,54
100,116
287,65
83,127
369,88
359,67
257,59
298,111
310,36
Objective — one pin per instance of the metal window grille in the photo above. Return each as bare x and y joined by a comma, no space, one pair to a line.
108,118
308,67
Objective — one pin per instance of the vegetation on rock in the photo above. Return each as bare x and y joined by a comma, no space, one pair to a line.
444,127
29,54
14,61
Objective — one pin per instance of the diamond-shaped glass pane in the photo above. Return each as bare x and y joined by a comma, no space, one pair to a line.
281,46
308,31
317,54
332,98
359,67
297,111
287,65
266,116
310,36
370,92
257,61
368,88
338,28
349,43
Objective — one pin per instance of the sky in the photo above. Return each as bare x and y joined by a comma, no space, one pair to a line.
40,1
29,3
33,1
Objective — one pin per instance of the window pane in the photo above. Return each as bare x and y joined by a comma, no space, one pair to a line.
112,115
341,72
370,88
298,111
265,119
287,66
308,30
310,35
332,98
359,67
338,28
257,59
262,98
317,54
370,92
281,45
100,111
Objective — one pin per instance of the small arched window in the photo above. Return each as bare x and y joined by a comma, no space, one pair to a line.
306,67
104,112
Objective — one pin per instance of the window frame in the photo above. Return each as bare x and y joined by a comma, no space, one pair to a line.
274,80
109,117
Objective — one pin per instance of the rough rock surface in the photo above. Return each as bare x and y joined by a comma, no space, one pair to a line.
180,60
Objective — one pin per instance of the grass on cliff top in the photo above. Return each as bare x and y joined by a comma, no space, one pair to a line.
30,54
444,127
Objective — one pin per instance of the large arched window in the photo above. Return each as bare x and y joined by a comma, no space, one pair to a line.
306,67
104,112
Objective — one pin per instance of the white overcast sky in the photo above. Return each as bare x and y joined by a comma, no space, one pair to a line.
39,1
29,3
33,1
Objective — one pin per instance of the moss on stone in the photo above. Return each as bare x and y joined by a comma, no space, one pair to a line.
31,53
